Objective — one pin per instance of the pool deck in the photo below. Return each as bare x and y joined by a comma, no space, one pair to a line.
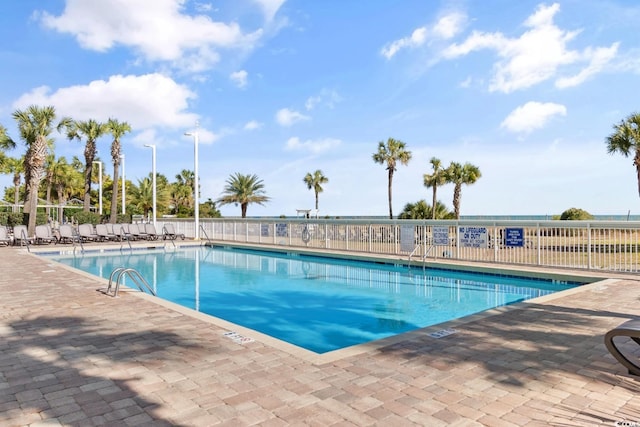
72,356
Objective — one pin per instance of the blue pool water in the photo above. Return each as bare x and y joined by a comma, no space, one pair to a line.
318,303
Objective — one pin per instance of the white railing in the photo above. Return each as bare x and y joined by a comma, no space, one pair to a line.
592,245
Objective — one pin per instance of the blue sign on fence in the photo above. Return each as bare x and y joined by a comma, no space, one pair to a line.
514,237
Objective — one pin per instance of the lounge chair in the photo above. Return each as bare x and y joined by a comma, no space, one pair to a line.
44,235
68,234
152,233
4,236
137,231
20,235
629,329
87,233
102,230
169,232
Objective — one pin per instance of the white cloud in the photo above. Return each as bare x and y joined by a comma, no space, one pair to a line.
315,147
252,125
446,27
286,117
536,55
532,115
143,101
326,97
158,33
599,58
270,7
239,78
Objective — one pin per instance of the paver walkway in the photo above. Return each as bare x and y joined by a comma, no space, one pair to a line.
72,356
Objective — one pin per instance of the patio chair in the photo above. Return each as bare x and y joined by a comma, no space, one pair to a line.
21,236
87,233
137,231
152,233
103,232
44,235
629,329
4,236
169,232
68,234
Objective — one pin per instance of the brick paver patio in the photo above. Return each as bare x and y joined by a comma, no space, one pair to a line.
72,356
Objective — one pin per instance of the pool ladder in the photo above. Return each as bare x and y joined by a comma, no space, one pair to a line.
120,272
424,256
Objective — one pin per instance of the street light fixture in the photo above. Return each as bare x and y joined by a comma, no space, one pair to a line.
100,184
123,188
196,191
153,172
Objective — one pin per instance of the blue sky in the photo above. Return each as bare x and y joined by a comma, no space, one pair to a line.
527,91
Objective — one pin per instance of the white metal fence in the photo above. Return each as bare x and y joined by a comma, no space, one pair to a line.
593,245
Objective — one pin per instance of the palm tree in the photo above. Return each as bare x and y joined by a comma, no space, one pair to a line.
626,140
117,130
435,180
421,210
15,167
91,130
6,143
182,193
315,181
390,154
66,181
459,175
34,125
243,190
142,196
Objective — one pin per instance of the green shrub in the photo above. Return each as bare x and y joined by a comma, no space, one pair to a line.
573,214
83,217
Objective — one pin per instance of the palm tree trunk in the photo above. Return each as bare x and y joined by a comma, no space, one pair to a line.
433,204
114,194
88,168
316,201
456,200
389,191
636,163
243,208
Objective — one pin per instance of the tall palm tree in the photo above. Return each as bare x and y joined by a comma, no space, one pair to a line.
626,140
117,130
243,190
90,130
182,193
6,143
142,196
459,175
436,179
35,124
390,154
314,181
15,167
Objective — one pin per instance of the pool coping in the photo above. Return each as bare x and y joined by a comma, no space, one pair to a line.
592,281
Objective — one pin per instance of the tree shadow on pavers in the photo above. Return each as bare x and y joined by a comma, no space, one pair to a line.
52,366
519,345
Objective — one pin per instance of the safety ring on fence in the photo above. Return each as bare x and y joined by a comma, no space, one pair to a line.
306,235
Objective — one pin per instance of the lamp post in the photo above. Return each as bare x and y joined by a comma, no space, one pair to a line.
153,172
196,191
123,188
100,186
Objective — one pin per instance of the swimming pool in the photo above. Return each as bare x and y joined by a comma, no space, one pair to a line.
317,303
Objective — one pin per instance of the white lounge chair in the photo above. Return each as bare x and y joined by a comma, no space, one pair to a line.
68,234
169,232
4,236
137,231
44,235
102,230
21,236
87,233
152,233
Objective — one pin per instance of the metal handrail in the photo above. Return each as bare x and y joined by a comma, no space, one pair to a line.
125,236
205,233
137,278
23,237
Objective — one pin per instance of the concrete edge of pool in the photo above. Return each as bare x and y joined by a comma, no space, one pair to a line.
591,280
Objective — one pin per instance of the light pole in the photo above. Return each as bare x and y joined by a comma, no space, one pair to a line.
153,172
123,188
196,194
100,184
